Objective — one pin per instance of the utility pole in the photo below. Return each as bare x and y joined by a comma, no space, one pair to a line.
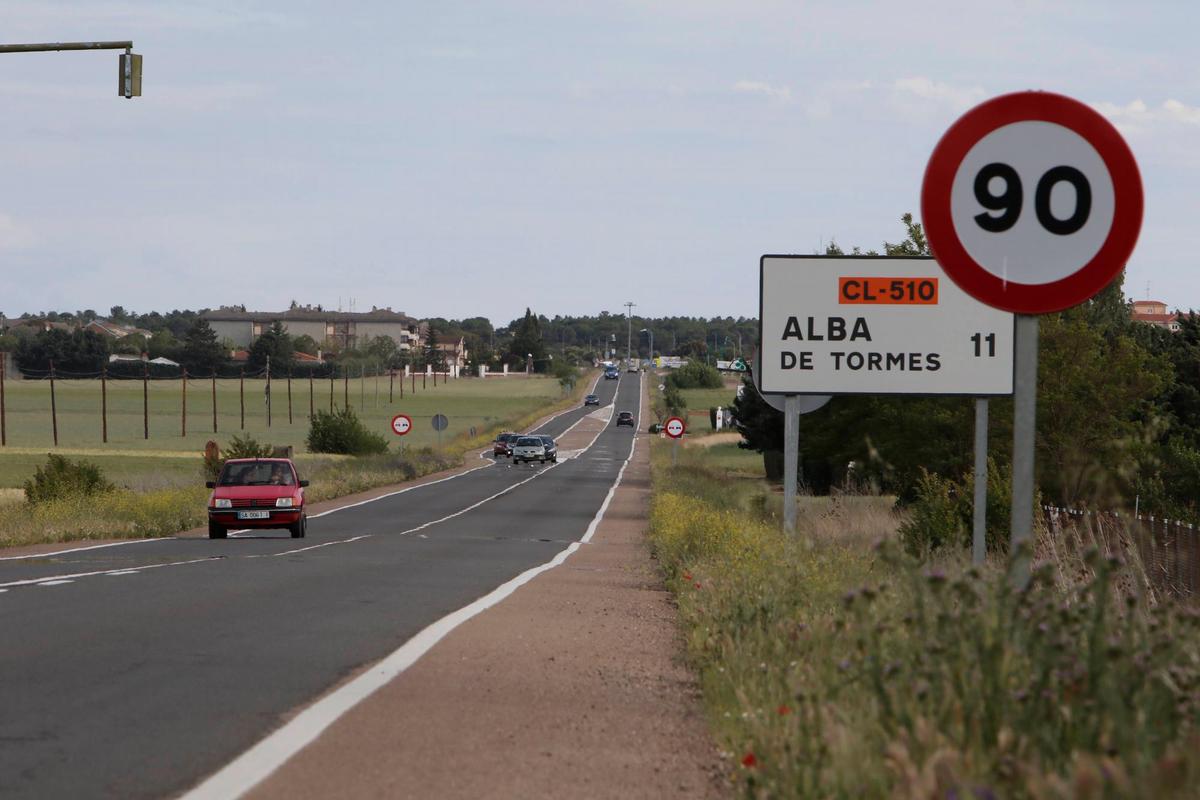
629,331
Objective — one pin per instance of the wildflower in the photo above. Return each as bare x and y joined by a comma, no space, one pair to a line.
783,711
936,578
848,598
749,761
687,576
843,665
696,584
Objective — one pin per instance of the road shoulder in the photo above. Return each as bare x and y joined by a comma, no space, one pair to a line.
573,686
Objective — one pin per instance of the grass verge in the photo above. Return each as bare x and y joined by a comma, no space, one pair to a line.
834,665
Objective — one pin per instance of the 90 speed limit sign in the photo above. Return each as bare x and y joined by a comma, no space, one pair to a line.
1032,202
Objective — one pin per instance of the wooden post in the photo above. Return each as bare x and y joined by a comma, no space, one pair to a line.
145,400
289,397
362,387
346,387
242,393
53,405
104,404
392,385
424,379
268,391
312,409
3,421
376,370
414,381
214,394
183,407
331,390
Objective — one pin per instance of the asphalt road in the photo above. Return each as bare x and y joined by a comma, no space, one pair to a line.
136,671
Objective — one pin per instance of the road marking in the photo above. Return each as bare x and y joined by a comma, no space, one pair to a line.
89,547
55,583
124,572
51,580
257,764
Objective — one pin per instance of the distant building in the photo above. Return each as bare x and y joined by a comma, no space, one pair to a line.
454,353
36,325
342,329
1154,312
112,330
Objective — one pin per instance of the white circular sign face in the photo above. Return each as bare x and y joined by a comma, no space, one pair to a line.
1032,202
401,424
674,427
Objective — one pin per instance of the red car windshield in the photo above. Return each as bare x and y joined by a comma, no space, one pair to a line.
257,473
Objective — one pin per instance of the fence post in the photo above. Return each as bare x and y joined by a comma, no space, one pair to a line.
312,409
346,387
53,405
214,394
362,387
145,400
104,403
3,422
268,391
376,371
414,381
424,378
331,372
392,385
289,396
183,407
242,393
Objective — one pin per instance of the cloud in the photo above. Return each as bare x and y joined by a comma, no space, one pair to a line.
779,94
15,235
1137,117
958,98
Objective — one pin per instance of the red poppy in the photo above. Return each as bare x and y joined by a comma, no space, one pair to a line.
749,761
783,711
687,576
696,584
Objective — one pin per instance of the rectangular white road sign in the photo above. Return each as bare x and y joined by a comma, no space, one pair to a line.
877,325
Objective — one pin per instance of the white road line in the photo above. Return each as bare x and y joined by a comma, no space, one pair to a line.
124,572
55,583
260,761
89,547
50,579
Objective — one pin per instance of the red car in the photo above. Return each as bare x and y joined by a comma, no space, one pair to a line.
504,444
257,493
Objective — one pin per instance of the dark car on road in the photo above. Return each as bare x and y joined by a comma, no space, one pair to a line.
592,400
611,374
503,444
625,418
551,448
257,493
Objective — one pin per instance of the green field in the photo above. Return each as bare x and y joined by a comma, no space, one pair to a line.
168,457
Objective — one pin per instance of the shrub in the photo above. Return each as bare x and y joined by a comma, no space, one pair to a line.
936,520
61,477
673,398
342,432
695,375
239,447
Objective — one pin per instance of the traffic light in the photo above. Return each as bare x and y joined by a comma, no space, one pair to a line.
130,75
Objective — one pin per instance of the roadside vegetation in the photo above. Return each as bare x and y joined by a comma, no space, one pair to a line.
837,664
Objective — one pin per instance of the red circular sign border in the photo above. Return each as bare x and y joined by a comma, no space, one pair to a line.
681,422
402,416
1028,298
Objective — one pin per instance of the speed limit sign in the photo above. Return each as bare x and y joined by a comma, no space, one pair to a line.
1032,202
674,427
401,424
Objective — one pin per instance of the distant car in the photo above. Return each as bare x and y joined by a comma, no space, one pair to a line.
257,493
591,400
625,418
611,373
633,368
551,448
503,444
529,448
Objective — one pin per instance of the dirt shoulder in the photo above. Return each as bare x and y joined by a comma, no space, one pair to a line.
572,687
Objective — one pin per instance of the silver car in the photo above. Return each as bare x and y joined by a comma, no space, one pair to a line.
529,448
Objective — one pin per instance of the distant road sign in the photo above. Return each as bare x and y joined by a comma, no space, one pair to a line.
1032,202
401,424
440,423
877,325
674,427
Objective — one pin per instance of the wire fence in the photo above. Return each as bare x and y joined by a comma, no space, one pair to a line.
1169,549
211,403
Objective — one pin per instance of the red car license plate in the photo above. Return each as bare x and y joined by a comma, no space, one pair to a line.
254,515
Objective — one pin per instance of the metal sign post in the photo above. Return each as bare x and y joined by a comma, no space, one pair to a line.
1024,428
440,423
979,534
674,427
791,460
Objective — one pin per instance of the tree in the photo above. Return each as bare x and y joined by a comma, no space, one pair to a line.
201,352
432,355
526,341
305,344
276,344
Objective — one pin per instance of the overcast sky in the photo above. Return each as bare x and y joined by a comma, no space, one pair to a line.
458,159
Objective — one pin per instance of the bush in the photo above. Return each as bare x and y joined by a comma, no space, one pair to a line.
342,432
936,520
695,375
61,477
239,447
674,401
